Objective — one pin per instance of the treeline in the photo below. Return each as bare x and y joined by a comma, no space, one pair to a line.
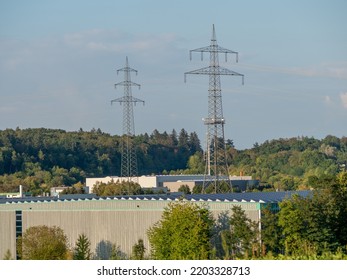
43,158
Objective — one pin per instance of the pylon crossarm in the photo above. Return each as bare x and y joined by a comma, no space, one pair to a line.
218,70
216,49
135,100
202,71
126,69
225,71
126,84
201,50
127,99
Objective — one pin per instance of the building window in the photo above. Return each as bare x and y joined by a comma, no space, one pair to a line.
19,227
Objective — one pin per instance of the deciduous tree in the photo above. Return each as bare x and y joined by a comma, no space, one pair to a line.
184,232
44,243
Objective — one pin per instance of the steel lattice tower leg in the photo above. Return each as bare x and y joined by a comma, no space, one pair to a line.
216,170
129,159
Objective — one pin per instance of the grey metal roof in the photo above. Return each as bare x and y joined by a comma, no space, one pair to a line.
256,197
250,196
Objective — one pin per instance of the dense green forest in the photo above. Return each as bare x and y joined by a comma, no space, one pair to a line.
43,158
294,163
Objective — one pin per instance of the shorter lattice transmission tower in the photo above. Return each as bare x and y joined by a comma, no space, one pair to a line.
129,159
216,171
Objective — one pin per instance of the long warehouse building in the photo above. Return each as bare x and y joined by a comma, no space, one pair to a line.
120,220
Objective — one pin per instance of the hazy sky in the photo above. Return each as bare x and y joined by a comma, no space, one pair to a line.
58,62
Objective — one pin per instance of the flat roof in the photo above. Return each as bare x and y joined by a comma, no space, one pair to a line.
256,197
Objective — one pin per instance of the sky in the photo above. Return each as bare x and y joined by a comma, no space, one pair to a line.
58,62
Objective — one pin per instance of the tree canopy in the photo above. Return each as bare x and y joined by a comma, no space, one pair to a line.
292,163
117,188
183,233
316,224
241,239
43,243
43,158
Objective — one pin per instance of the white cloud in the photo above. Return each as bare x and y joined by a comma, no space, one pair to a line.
115,41
331,70
327,99
78,39
343,97
338,70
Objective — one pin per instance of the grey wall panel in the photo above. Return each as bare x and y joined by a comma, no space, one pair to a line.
122,228
105,222
7,233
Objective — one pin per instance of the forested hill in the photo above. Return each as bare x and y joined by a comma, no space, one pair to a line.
293,163
42,158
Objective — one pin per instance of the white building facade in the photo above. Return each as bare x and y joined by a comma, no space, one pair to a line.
172,182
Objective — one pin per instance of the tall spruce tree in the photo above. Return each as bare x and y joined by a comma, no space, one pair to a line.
82,249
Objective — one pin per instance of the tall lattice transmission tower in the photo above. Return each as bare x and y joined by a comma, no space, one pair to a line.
129,159
216,171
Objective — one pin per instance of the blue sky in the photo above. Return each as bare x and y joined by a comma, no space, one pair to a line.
58,62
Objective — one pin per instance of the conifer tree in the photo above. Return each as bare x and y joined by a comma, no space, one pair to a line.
138,251
82,249
8,255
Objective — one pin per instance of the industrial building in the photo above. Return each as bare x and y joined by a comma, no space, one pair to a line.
173,182
120,220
